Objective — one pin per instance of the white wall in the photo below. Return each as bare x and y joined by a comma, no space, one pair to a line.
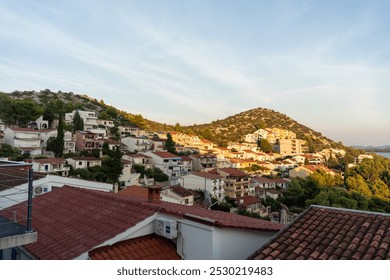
234,244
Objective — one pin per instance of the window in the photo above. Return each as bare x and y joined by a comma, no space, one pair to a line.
80,163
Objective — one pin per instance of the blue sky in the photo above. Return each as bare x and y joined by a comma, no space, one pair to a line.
323,63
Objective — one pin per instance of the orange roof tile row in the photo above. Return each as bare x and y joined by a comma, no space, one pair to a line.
149,247
331,234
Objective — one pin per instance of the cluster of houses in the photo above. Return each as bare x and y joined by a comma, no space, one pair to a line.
236,171
139,219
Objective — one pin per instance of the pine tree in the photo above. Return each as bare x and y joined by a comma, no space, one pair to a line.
170,144
59,150
78,123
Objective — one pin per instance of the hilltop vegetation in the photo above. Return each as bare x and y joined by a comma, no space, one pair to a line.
20,107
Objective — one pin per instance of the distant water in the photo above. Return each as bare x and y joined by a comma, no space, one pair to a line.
384,154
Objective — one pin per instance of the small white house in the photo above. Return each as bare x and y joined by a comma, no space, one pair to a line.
83,162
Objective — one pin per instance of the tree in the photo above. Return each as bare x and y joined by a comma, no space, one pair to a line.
56,144
7,151
25,110
60,138
78,123
264,145
170,144
6,112
112,166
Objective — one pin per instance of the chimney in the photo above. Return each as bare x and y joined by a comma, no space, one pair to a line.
154,194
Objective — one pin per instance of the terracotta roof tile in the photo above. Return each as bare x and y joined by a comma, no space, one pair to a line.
149,247
317,234
165,155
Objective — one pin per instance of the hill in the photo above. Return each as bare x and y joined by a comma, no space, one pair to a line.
230,129
233,128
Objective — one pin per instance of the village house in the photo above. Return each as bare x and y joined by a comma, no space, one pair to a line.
236,181
125,131
24,139
39,124
263,182
328,233
137,144
83,162
172,165
204,181
158,145
88,141
194,233
250,204
306,170
140,158
203,161
105,123
128,176
51,166
178,195
89,119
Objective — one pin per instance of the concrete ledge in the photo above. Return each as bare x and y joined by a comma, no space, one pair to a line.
18,240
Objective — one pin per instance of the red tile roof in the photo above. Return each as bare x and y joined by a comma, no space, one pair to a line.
230,171
313,168
71,221
135,192
248,200
186,158
24,129
86,158
165,155
50,160
149,247
183,192
207,175
331,233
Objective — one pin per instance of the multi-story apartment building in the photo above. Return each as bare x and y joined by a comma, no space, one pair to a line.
203,161
205,181
126,131
170,164
288,147
89,118
25,139
139,144
236,181
88,141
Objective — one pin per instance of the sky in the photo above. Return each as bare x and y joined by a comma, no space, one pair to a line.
323,63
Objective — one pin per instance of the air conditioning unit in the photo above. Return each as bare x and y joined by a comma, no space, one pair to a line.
40,190
166,228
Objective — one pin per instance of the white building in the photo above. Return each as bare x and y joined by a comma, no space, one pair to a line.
125,131
89,118
83,162
204,181
51,165
139,144
25,139
178,195
170,164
